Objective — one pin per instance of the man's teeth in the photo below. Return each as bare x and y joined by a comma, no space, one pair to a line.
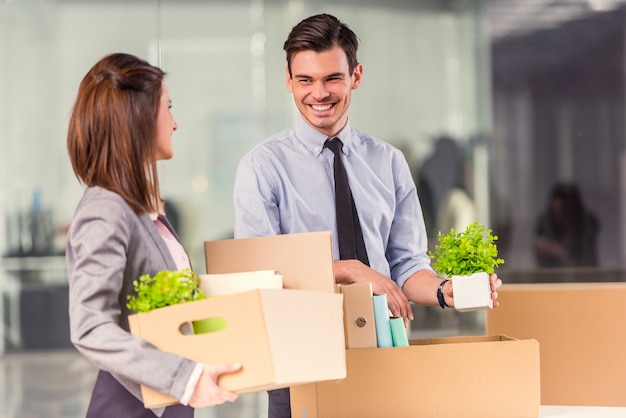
321,107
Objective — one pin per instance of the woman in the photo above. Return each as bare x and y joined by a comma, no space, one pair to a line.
120,125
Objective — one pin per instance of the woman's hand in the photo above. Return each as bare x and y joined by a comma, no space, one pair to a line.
208,392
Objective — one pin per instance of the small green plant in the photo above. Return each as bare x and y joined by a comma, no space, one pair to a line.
164,289
464,253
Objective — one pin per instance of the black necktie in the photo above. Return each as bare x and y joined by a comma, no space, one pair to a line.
349,234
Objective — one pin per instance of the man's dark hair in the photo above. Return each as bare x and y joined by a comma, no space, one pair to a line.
320,33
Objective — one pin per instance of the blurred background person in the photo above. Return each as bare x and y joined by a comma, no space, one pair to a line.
566,233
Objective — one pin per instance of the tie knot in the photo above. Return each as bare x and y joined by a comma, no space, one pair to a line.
334,144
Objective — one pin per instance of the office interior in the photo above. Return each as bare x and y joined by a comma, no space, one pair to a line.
500,100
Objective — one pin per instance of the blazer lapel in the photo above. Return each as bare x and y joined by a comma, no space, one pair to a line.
148,223
169,226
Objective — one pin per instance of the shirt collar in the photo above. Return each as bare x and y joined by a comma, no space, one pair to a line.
314,139
154,216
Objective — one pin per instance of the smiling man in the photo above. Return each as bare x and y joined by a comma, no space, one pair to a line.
286,184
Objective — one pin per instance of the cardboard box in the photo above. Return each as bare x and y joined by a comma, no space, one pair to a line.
455,377
281,337
359,325
305,260
581,328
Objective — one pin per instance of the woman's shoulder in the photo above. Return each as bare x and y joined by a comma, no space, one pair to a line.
102,196
104,202
102,212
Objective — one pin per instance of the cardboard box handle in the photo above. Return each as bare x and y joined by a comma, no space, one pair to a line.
207,325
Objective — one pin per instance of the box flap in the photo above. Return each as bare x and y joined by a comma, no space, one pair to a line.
305,260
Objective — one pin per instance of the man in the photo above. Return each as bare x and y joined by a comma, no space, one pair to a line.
286,184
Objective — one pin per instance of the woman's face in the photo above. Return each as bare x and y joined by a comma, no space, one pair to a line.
165,126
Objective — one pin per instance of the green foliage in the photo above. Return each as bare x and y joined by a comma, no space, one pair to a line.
464,253
164,289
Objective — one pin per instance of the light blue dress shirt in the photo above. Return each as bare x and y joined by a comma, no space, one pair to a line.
285,185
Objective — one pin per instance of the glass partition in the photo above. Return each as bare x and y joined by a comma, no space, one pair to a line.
499,101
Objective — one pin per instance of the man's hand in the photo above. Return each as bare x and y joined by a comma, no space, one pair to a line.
494,281
354,271
495,284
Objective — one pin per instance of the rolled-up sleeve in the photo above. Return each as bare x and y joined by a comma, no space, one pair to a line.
407,248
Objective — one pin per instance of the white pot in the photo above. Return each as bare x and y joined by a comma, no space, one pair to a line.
472,293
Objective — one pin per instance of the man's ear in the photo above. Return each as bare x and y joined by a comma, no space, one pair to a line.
288,80
357,75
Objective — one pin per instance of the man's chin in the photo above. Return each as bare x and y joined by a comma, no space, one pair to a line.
327,125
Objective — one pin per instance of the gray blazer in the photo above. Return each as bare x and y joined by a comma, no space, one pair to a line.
109,246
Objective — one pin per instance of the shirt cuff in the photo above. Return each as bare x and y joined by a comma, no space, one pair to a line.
191,384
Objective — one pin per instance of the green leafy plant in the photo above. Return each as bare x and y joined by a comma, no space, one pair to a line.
164,289
467,252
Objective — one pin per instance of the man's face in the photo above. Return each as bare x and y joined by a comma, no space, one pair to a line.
321,84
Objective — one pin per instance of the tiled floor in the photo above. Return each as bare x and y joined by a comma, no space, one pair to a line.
38,384
57,383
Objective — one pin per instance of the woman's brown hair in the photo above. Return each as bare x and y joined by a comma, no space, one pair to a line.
111,138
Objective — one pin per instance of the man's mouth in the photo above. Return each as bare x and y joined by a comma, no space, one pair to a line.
321,107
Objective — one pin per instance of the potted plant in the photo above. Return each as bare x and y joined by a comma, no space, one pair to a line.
164,289
168,288
467,258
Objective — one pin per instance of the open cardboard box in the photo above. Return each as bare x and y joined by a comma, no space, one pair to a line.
455,377
275,347
581,328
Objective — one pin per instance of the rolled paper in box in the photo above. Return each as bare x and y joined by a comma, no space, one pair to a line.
229,283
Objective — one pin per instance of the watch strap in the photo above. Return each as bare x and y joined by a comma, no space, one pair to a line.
440,298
